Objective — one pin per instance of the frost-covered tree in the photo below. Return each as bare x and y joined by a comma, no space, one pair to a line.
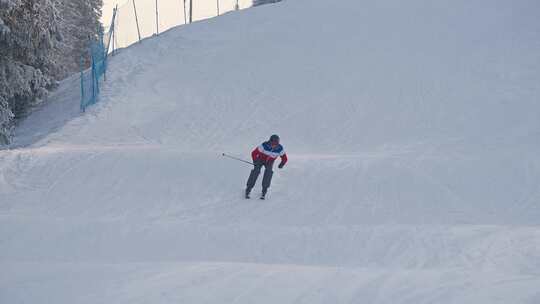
28,33
41,41
79,25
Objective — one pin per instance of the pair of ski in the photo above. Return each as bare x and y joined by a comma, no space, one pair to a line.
262,197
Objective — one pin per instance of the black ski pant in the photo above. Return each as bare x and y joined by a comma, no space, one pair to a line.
267,177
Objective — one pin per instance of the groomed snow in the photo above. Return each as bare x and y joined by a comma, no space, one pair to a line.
412,130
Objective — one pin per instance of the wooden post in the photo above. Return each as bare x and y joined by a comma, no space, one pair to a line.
113,33
185,15
136,20
115,36
190,11
83,100
112,30
157,19
217,7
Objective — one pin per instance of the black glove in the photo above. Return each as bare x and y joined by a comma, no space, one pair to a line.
281,165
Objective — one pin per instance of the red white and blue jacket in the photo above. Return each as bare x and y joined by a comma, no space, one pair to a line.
266,153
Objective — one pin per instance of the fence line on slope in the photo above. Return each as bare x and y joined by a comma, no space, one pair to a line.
98,53
135,20
139,19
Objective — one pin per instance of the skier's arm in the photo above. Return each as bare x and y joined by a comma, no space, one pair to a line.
255,154
283,160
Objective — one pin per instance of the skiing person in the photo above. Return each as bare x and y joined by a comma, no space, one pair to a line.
265,155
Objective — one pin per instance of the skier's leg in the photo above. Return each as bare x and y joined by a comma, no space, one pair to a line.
253,176
267,178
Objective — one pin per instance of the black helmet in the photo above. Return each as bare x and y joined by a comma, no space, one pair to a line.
274,138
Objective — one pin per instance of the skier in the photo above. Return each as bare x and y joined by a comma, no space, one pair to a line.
265,155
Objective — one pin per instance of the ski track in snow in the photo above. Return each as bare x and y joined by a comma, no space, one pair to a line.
340,244
414,174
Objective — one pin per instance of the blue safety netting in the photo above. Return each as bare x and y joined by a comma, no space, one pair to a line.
90,78
135,20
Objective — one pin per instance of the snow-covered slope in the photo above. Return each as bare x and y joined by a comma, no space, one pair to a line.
412,130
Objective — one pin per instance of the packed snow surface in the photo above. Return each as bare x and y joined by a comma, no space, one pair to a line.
412,129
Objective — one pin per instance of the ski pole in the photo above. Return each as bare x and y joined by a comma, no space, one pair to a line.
238,159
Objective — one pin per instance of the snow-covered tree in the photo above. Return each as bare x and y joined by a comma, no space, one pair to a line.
28,33
41,41
79,25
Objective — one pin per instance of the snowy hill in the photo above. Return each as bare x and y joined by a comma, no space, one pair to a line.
412,131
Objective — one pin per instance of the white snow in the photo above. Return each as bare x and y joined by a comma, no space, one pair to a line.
412,131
